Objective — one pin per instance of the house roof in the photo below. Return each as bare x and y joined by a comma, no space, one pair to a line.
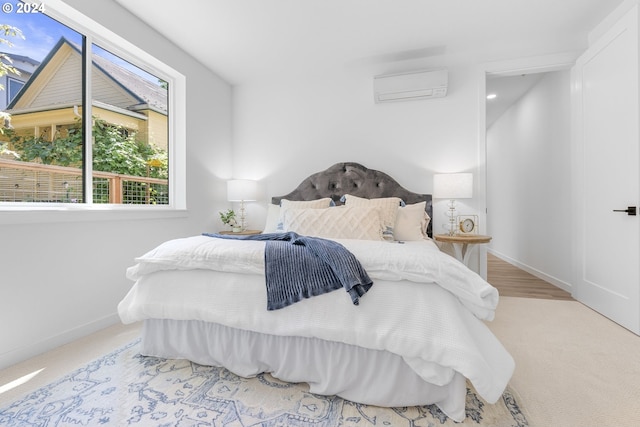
142,93
16,60
149,94
21,58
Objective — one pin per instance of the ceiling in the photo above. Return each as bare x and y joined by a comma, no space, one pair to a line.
508,89
246,41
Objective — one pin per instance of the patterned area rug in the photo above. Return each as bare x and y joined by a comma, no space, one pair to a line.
124,388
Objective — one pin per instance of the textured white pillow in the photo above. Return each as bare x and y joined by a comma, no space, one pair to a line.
389,210
342,222
299,204
411,222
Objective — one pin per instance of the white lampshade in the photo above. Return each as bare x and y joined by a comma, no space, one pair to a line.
453,186
241,190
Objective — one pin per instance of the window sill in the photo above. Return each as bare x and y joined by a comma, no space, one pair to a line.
59,213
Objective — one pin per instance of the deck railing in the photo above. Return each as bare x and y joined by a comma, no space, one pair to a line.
33,182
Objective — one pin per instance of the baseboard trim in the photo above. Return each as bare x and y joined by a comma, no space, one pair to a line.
533,271
21,354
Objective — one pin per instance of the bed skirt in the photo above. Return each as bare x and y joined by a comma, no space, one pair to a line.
372,377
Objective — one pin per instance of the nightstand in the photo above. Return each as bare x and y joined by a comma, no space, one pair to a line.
461,244
241,233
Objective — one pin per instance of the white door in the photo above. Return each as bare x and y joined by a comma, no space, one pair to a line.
607,254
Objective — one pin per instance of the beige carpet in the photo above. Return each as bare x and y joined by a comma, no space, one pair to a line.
574,367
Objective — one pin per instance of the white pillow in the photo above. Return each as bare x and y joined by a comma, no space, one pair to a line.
411,222
273,216
300,204
389,210
342,222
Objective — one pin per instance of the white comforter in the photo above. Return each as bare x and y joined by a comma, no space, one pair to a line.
424,305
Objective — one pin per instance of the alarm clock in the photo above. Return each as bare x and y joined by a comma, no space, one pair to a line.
468,224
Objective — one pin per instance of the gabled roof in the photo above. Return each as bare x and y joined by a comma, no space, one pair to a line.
22,58
143,93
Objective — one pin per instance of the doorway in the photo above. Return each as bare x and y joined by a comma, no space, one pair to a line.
528,158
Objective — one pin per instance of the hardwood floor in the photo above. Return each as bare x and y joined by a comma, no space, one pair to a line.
514,282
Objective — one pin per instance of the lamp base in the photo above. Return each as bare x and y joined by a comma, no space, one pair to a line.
242,216
451,213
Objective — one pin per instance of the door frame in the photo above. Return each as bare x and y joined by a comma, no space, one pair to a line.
536,64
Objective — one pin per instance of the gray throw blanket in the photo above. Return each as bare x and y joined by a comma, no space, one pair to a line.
298,267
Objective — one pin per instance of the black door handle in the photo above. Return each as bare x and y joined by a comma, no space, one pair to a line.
631,210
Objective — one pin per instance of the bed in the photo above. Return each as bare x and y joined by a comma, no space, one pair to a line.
414,338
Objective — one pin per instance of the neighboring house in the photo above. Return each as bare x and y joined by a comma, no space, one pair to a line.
12,82
51,101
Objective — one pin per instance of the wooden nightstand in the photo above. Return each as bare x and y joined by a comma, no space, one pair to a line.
461,244
241,233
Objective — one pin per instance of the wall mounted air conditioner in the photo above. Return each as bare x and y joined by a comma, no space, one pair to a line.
409,86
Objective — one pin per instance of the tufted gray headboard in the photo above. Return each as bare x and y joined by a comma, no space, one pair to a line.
357,180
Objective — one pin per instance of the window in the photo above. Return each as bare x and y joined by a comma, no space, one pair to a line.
13,87
91,120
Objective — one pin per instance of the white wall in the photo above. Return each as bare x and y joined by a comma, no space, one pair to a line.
61,278
529,181
285,130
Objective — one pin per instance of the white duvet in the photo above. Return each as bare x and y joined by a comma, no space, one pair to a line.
424,305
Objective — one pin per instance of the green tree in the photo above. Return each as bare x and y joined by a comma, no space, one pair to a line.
115,149
61,151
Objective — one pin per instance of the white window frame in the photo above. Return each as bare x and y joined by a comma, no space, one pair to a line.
13,213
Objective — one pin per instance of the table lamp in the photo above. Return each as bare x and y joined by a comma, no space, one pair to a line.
242,190
452,186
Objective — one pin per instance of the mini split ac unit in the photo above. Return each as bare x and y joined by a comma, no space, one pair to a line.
409,86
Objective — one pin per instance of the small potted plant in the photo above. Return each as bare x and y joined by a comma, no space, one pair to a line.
229,218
